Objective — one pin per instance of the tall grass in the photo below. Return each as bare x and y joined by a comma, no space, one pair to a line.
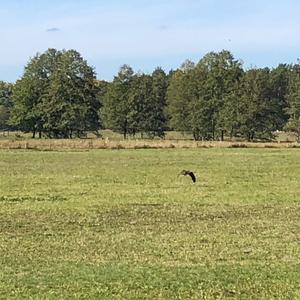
85,144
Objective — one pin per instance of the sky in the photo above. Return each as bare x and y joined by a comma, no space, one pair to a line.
147,34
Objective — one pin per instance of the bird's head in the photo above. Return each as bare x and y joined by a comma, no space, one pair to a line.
183,172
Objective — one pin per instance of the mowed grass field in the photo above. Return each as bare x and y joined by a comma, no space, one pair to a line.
121,224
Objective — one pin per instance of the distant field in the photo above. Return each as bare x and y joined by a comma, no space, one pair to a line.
89,144
121,224
280,136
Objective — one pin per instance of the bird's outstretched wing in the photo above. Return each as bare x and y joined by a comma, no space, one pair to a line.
190,173
192,176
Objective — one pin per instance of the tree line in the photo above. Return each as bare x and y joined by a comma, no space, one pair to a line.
58,96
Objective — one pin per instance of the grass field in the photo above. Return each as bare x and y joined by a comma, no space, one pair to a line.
120,224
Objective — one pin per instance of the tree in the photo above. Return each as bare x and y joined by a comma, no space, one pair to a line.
294,93
232,111
197,93
223,74
56,95
256,106
200,104
157,119
140,104
256,118
71,105
293,125
293,97
188,105
177,102
279,83
116,108
30,89
101,89
5,104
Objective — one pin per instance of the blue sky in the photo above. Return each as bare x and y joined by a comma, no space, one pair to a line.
147,34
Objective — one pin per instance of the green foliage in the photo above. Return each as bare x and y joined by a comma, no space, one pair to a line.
6,94
136,103
157,116
177,110
5,104
71,104
293,93
255,100
279,81
56,95
59,96
4,117
293,96
217,97
101,89
197,94
116,109
140,104
30,89
293,125
263,103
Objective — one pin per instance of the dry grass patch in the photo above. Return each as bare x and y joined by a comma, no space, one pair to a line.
86,144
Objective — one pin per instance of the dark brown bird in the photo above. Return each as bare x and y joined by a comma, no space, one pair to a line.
190,173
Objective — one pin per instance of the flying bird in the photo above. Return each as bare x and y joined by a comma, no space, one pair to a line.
190,173
53,29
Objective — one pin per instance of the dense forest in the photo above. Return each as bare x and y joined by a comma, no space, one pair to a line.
58,96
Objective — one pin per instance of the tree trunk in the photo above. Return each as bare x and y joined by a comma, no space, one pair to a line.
249,137
231,133
125,130
196,135
222,135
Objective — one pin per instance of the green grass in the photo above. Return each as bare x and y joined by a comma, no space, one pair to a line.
120,224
